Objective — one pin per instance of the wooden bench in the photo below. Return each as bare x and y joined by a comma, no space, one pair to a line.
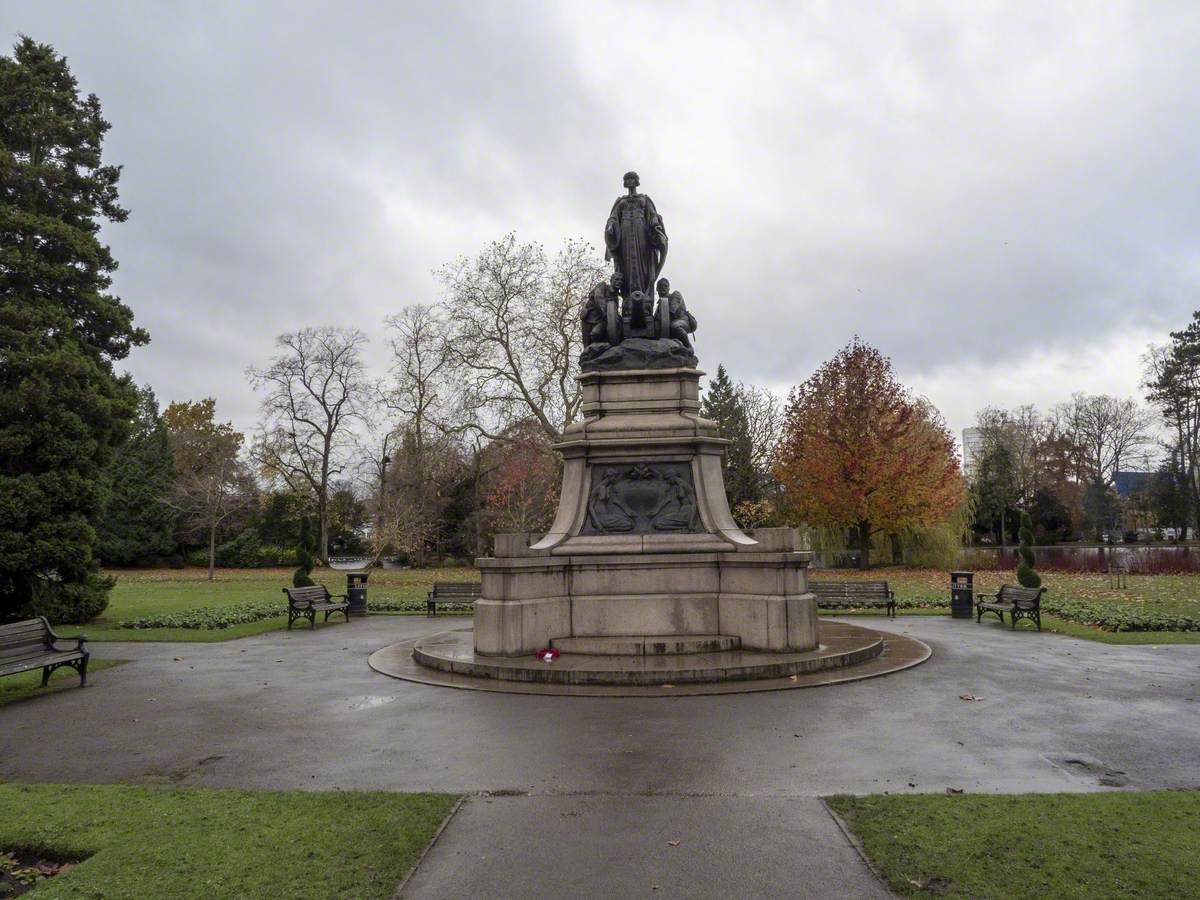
854,595
451,592
1018,602
32,644
306,602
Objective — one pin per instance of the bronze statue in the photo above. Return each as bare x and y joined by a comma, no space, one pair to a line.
635,239
678,322
594,316
632,334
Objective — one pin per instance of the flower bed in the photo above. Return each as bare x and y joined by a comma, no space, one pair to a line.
210,617
1117,617
1097,614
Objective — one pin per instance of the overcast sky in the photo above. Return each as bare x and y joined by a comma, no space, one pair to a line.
1004,198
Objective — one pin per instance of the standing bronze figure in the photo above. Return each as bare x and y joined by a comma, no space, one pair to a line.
636,240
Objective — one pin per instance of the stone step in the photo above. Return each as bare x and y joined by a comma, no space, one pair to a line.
454,653
646,644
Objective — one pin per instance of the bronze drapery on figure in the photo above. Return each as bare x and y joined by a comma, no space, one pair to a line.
635,239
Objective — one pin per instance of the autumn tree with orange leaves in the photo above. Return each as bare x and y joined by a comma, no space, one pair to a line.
522,492
860,451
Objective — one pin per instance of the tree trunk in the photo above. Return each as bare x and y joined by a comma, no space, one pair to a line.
897,550
1003,530
864,545
323,529
212,551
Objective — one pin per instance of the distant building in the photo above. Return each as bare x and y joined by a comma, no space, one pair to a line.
972,446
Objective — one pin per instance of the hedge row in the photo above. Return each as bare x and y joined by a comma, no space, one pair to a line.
210,617
1117,617
217,617
1106,616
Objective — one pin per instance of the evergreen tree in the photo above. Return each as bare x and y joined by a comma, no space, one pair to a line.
137,524
304,555
995,489
723,404
62,407
1025,574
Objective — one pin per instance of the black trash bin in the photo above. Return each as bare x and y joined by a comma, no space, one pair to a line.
962,596
356,592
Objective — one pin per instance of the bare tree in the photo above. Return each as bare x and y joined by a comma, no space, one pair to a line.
1105,433
211,482
1022,432
315,389
764,423
418,390
513,337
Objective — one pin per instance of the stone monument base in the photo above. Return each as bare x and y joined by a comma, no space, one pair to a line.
652,666
758,598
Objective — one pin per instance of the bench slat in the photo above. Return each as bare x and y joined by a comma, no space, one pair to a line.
37,662
17,649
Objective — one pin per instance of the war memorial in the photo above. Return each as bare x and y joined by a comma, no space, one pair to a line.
644,578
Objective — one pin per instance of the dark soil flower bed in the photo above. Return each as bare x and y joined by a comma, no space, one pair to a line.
23,870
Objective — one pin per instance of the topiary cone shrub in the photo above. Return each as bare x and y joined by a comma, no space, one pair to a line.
1025,574
304,556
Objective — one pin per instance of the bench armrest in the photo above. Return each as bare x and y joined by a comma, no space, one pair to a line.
981,597
79,639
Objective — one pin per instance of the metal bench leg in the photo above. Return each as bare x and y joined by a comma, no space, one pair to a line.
82,669
46,670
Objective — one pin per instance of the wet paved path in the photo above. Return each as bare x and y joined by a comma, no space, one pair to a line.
303,710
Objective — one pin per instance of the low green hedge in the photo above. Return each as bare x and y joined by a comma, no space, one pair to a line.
217,617
415,605
1098,614
1117,616
210,617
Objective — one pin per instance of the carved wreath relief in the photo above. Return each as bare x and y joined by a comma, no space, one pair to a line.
642,498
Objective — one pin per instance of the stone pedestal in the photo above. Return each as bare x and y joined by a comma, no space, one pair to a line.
643,543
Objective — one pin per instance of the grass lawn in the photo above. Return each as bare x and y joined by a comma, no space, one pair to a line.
1031,845
144,592
1171,594
28,684
159,842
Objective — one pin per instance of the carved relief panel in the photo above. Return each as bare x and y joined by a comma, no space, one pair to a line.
642,498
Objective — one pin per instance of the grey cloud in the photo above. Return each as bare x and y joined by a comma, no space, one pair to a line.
950,183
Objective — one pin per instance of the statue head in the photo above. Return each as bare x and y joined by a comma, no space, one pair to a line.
631,180
664,287
616,281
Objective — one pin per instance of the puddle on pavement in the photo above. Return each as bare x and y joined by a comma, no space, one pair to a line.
371,702
1088,768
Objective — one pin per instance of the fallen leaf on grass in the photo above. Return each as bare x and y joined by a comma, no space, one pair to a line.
672,843
970,698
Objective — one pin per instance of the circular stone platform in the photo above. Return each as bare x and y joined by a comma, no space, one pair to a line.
846,653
